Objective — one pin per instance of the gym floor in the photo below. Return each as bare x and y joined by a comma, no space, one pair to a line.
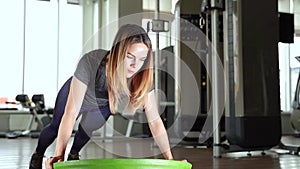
15,154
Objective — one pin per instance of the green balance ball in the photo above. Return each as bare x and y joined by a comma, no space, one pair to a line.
123,164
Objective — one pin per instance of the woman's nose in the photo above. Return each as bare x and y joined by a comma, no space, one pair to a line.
133,63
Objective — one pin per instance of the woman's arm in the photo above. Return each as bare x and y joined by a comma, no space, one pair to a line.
157,127
74,102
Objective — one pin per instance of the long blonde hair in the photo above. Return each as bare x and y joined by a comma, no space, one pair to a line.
142,81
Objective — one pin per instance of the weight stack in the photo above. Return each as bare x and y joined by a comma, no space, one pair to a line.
252,118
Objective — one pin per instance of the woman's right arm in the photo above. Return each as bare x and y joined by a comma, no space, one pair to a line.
74,102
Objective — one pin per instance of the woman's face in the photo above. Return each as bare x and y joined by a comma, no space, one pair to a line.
135,58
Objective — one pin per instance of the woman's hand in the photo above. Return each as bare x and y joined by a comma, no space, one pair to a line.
50,161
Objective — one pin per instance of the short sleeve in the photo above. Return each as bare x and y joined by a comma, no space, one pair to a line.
83,70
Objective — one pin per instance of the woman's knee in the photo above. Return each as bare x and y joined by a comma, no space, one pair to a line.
51,128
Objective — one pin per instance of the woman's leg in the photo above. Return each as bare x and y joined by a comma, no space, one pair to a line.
49,133
90,122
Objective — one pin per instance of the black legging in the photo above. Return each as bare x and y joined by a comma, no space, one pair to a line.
92,119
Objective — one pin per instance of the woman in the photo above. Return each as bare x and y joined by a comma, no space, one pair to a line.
101,81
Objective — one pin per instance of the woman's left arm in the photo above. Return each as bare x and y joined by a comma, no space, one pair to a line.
156,126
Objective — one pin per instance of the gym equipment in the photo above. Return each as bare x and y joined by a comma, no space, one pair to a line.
122,163
295,117
13,111
253,116
33,110
39,101
189,73
24,100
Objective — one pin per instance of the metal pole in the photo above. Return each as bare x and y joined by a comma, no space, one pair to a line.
177,79
215,82
57,45
156,57
24,46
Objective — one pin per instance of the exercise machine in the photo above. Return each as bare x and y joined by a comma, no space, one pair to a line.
32,107
39,102
253,116
295,117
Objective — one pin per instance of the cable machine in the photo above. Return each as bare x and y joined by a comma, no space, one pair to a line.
252,110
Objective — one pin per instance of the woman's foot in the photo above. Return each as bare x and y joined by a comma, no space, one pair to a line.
36,161
73,157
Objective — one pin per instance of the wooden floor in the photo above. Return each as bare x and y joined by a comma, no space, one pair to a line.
15,154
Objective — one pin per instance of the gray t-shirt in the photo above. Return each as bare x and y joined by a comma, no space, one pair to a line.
86,71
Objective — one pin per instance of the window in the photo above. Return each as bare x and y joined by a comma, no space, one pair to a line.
11,42
289,67
41,44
